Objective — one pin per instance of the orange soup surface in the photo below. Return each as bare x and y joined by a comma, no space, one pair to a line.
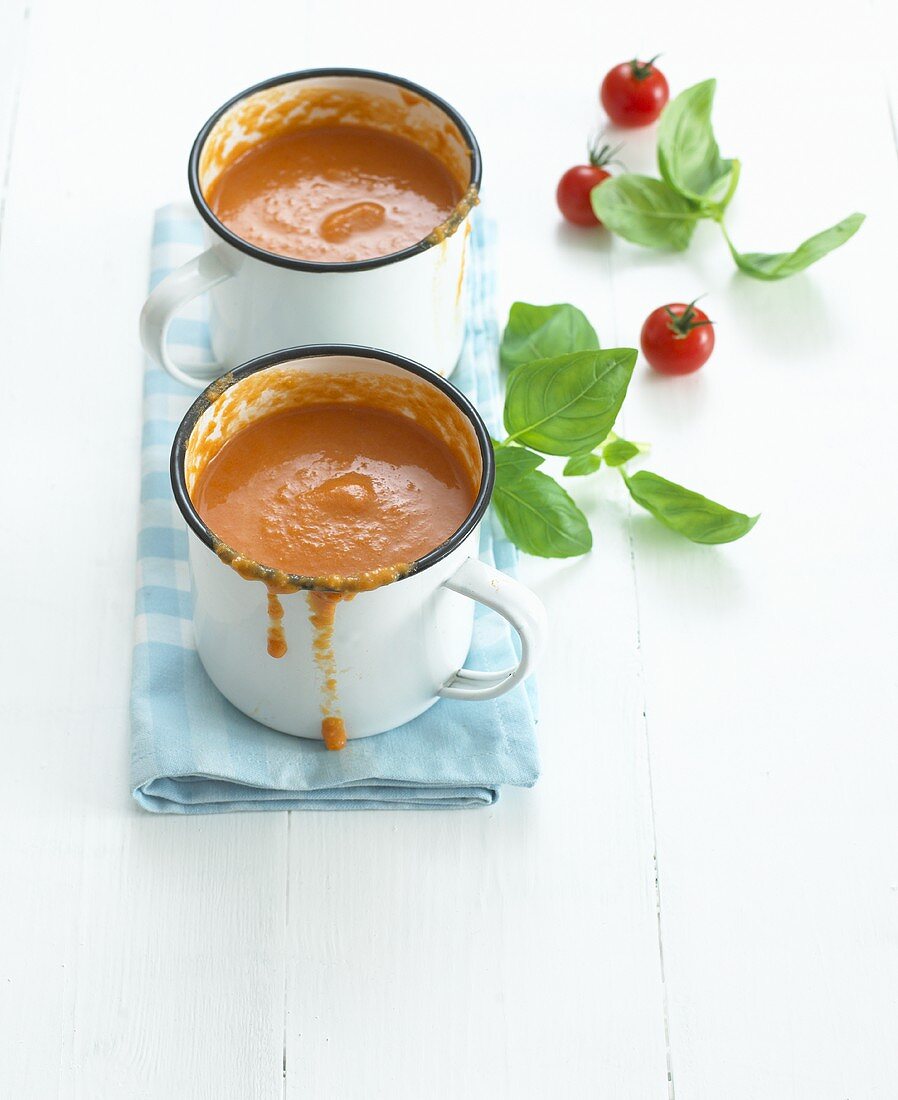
334,194
337,489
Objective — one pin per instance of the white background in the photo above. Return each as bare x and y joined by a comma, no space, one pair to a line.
700,897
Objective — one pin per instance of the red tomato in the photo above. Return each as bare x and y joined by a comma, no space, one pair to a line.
677,339
573,192
634,93
575,186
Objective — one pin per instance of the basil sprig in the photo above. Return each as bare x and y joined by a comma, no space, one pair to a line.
564,401
697,183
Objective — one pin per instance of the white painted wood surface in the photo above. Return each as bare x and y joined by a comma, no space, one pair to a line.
732,709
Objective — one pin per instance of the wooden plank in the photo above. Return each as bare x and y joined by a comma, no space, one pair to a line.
884,25
495,953
138,956
14,19
771,695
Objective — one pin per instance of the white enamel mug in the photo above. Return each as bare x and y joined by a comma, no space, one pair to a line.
410,302
396,649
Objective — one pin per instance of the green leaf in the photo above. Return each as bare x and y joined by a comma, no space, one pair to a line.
779,265
688,157
685,512
568,404
581,465
513,461
539,332
645,211
537,514
619,451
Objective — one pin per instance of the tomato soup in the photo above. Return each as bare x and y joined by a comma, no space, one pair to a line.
333,490
334,194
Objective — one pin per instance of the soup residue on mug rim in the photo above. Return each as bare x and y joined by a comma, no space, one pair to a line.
269,112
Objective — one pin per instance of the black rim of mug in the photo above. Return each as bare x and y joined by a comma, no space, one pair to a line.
320,351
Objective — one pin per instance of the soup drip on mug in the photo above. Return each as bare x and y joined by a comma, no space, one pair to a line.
341,492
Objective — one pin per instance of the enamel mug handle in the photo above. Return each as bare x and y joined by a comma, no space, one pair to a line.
518,606
174,292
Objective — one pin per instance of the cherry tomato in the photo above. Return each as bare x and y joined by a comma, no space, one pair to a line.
677,339
575,186
634,93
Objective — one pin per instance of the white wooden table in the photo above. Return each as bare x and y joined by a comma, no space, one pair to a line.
700,897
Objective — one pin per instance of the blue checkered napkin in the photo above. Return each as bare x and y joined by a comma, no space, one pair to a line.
192,752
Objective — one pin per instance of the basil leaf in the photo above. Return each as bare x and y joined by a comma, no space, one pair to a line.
779,265
619,451
581,465
688,157
645,211
514,461
539,332
538,515
568,404
685,512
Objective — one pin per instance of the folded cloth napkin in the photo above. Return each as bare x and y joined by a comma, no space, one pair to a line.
192,752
